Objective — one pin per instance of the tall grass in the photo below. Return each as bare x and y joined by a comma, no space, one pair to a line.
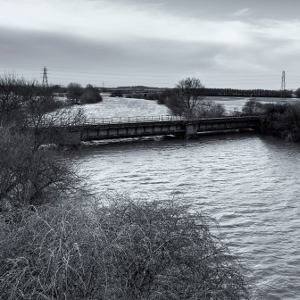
122,250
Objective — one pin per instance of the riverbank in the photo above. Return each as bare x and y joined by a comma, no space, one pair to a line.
282,120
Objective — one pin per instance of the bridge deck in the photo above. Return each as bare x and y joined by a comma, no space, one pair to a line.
163,125
114,128
155,119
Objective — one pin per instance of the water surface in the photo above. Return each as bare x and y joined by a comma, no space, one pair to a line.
248,182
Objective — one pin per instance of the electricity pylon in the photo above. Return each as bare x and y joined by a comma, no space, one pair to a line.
283,87
45,77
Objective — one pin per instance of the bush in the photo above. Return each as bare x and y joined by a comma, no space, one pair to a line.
282,120
123,250
74,92
209,109
30,176
252,107
151,96
116,93
20,98
90,95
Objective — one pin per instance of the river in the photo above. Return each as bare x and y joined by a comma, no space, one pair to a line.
248,182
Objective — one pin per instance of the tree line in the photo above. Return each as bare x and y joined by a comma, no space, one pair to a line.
245,93
203,91
76,94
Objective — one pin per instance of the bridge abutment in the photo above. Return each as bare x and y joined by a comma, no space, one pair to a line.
70,138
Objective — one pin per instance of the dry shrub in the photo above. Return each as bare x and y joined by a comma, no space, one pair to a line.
122,250
29,176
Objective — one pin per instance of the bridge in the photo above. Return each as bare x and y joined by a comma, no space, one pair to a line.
115,128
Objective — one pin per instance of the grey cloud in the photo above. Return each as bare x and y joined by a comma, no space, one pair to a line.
36,49
275,9
242,12
137,61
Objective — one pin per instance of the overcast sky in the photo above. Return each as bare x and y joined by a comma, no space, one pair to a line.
224,43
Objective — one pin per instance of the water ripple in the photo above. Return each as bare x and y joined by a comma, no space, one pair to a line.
249,183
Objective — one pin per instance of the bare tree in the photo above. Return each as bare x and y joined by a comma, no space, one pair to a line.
14,92
185,97
47,118
29,176
187,100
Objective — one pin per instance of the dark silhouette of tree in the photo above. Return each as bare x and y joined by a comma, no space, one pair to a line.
58,89
74,92
90,95
117,93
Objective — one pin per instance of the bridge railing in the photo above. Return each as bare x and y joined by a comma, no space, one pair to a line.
137,119
164,118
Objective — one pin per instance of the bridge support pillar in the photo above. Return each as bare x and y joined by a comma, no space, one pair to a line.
190,130
70,138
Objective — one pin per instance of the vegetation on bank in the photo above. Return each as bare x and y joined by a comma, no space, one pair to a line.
58,243
158,94
28,113
116,93
282,120
30,176
122,250
79,95
278,119
184,100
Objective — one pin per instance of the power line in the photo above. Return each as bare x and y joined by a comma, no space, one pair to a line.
217,79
